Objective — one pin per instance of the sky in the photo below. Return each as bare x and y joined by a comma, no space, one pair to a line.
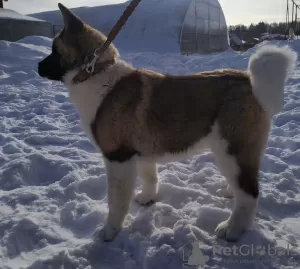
236,11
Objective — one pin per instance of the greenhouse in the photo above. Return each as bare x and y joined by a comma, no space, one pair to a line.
164,26
204,28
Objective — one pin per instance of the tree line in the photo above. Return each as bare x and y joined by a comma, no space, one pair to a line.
255,30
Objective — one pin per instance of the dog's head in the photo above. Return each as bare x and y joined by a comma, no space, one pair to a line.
73,47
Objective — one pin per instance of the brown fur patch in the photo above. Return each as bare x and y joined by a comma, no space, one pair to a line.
172,113
114,125
184,108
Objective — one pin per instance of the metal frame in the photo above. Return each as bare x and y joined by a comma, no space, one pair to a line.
295,16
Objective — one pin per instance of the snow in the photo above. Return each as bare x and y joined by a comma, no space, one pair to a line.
53,182
267,36
11,14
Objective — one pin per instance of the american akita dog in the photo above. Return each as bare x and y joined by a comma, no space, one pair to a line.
137,118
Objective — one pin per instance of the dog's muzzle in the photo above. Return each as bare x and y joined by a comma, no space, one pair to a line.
50,68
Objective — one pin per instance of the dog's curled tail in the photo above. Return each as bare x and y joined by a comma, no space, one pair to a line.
269,68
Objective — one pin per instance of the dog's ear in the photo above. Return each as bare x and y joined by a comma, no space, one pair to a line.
72,22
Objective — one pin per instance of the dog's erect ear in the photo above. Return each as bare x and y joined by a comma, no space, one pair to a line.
71,21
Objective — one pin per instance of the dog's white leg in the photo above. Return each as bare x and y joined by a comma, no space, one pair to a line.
242,178
241,218
148,173
244,210
120,178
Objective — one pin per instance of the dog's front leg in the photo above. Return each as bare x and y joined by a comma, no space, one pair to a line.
148,172
120,181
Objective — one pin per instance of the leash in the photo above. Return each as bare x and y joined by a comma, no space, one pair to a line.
112,35
93,67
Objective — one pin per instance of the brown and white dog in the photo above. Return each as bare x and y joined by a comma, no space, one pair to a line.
137,118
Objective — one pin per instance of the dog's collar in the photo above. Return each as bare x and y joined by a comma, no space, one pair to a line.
85,74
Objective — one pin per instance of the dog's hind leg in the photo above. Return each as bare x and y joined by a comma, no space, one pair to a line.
120,179
148,173
241,171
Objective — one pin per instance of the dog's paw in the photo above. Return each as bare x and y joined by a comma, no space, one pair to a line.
231,233
107,233
225,192
145,198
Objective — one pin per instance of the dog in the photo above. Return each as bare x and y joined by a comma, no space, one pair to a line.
138,117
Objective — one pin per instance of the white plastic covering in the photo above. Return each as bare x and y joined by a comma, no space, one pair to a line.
204,28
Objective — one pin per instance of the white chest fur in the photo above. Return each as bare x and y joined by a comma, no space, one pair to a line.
87,96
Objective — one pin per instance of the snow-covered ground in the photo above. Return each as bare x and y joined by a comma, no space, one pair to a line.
53,182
